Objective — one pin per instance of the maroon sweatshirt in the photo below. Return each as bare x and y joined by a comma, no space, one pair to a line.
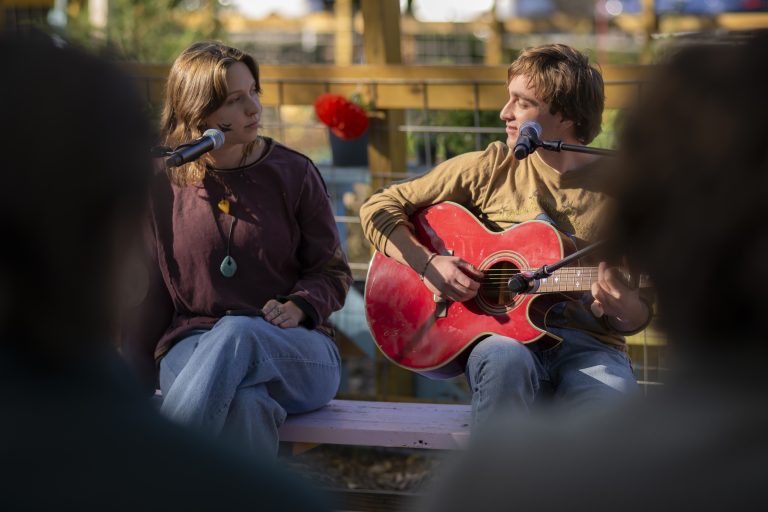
284,241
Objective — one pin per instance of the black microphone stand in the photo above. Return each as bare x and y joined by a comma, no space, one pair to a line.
165,152
558,145
523,281
160,151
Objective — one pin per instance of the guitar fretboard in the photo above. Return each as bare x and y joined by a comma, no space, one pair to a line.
569,279
578,279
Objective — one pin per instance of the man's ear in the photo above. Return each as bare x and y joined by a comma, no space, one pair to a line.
566,124
567,128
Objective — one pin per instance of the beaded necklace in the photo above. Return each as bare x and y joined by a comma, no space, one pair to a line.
228,266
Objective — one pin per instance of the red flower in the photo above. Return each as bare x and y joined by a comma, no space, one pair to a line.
345,119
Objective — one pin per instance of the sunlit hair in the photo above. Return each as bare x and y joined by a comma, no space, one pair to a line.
563,77
197,87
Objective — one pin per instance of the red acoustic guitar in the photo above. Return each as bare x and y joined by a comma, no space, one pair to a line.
431,337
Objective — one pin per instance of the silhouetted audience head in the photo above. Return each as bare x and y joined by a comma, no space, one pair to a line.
695,159
76,433
75,164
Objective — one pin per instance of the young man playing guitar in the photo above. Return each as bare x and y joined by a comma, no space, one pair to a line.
555,86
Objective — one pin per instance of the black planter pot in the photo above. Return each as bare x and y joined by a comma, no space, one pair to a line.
349,153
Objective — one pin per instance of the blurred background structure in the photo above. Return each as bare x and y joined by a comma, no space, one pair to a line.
430,74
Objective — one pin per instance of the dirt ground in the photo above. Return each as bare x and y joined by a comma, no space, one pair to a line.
366,468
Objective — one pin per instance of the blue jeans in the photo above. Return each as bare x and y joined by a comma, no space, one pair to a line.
581,372
242,377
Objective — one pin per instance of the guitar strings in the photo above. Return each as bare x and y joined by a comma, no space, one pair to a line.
566,269
559,271
497,279
558,274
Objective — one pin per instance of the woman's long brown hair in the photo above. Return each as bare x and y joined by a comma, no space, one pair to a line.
197,87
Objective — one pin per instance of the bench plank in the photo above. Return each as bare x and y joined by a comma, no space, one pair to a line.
390,424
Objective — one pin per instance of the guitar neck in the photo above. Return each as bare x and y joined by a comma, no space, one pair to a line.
576,279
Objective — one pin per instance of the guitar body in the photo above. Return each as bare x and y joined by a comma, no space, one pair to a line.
434,338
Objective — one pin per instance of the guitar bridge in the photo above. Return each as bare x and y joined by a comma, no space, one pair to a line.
441,306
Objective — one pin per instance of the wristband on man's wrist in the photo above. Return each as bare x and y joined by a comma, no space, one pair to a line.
424,270
636,330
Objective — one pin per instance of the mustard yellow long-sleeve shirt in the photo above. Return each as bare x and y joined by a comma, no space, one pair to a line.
503,191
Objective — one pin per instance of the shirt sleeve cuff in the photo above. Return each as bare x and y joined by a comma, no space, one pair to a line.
311,317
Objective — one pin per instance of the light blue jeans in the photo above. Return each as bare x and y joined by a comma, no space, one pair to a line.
582,372
241,378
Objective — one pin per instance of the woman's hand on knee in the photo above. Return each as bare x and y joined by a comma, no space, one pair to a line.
283,315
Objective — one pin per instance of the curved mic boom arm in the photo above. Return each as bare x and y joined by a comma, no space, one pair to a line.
523,281
558,145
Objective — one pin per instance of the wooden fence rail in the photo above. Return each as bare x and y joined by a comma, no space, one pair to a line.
398,86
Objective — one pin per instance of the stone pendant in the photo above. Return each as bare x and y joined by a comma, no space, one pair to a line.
228,266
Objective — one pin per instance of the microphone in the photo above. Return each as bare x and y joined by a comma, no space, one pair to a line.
191,151
528,139
523,282
520,283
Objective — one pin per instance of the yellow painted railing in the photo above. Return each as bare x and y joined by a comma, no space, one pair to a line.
399,86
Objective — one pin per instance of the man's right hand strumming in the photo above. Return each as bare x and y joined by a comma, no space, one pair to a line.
452,278
448,277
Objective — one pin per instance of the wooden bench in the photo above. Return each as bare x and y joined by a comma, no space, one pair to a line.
388,424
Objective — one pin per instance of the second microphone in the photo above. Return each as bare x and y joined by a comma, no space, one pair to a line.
528,139
191,151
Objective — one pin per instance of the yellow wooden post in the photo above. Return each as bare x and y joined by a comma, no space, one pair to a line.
344,38
386,145
650,27
494,43
381,37
381,44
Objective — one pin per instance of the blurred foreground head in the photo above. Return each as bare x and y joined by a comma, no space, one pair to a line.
75,164
695,158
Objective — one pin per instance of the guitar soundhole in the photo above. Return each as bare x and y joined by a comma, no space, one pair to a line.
494,292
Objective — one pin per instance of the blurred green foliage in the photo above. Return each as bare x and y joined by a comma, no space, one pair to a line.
611,123
446,145
147,31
